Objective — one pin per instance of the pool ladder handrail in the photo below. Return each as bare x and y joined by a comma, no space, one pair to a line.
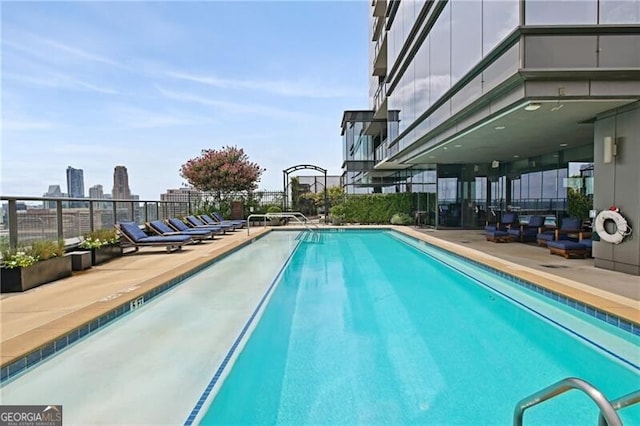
622,402
608,413
292,215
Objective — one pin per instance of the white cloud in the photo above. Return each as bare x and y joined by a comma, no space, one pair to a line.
291,88
235,107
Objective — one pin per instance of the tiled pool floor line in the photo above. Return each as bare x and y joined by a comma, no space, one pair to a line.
79,304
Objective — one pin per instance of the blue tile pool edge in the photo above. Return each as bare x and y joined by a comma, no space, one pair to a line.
33,358
593,311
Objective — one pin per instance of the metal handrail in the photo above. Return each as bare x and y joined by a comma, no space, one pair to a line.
607,412
292,215
622,402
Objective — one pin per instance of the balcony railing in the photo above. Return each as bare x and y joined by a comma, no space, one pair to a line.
28,219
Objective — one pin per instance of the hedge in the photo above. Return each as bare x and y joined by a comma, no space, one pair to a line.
377,208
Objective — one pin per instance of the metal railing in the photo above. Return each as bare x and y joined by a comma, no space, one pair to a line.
299,217
27,219
607,412
622,402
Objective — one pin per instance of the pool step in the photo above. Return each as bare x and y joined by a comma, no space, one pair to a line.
310,237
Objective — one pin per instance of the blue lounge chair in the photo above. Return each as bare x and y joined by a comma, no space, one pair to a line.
499,233
568,248
161,228
197,223
179,225
569,225
218,216
136,237
529,231
214,221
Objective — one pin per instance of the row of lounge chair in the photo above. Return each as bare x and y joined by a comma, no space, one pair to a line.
175,233
569,240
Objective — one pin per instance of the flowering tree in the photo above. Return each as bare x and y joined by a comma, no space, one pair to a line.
225,172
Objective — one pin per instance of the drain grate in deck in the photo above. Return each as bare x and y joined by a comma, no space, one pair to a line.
465,242
554,266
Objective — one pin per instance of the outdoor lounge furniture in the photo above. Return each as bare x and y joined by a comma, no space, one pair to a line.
197,223
161,228
527,231
135,237
568,248
499,233
569,225
218,216
179,225
213,220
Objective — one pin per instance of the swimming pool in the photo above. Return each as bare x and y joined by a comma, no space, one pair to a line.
373,328
156,364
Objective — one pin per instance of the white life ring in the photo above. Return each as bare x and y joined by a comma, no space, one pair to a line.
622,229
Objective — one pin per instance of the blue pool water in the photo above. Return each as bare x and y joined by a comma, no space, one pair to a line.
364,328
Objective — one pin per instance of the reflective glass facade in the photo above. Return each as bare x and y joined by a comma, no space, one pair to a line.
452,66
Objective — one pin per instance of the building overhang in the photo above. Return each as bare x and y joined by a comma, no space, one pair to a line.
526,129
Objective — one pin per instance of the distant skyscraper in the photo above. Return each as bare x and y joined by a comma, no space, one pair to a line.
54,191
121,189
75,182
96,191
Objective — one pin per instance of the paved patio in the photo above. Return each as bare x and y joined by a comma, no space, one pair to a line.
31,319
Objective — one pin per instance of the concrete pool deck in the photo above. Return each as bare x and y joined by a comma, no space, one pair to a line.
36,317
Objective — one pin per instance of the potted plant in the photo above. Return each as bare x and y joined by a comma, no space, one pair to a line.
337,214
27,267
103,244
275,221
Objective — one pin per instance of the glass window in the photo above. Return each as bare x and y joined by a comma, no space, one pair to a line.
409,95
619,12
440,55
550,184
499,19
466,37
553,12
421,61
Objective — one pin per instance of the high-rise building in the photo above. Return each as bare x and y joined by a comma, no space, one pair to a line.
54,191
75,182
121,190
485,106
96,191
183,198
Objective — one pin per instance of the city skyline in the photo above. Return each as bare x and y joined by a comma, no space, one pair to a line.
149,85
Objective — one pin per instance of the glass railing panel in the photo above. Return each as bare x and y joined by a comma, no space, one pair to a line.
76,219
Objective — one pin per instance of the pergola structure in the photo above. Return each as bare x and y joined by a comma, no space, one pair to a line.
285,181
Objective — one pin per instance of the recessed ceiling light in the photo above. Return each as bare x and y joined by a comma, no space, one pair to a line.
432,156
555,155
457,146
532,107
516,156
499,127
445,148
564,144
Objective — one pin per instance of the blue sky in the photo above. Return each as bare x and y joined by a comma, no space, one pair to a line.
148,85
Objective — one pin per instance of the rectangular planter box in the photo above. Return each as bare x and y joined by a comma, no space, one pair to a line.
105,253
21,279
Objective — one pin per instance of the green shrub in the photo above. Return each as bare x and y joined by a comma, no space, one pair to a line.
29,255
401,219
272,208
99,238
